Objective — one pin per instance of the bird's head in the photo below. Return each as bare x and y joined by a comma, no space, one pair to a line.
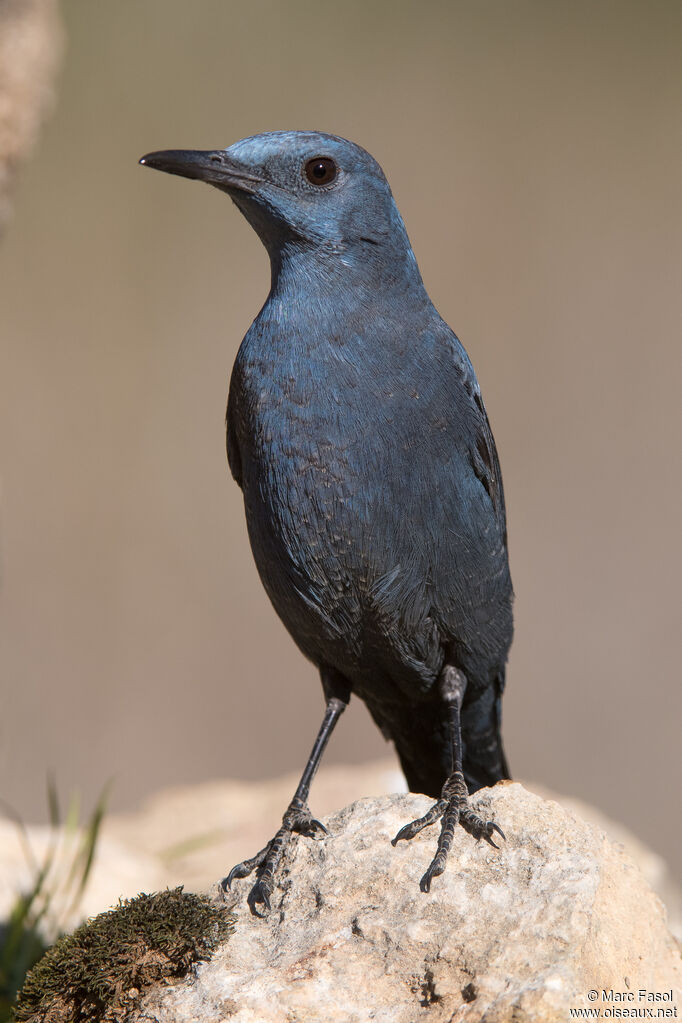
299,187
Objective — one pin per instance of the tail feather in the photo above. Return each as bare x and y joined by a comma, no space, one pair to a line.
420,735
484,760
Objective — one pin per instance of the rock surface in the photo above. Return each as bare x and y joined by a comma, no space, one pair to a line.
193,834
523,934
198,832
189,835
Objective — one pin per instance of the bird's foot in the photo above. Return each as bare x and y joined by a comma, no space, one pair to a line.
296,820
454,808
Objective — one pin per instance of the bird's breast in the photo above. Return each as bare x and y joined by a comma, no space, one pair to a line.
370,530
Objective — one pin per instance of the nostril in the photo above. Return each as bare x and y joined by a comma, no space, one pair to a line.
216,158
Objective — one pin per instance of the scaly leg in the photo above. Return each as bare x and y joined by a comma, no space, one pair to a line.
297,818
453,805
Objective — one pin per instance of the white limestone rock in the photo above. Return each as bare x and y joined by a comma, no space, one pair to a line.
523,934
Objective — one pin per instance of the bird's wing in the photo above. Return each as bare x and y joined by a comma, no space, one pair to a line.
486,465
482,449
233,455
461,504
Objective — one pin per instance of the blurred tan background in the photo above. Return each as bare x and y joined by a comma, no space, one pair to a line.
534,150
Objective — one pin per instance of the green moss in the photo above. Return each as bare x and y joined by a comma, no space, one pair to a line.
100,971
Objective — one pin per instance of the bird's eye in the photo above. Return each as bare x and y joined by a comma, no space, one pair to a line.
321,170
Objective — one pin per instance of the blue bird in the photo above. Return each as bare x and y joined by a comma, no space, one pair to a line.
371,483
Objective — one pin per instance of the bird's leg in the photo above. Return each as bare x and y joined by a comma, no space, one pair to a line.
453,806
297,818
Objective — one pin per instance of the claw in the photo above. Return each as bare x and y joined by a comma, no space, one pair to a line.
402,834
499,830
297,820
244,868
312,829
258,894
414,827
435,870
240,870
303,824
454,808
491,827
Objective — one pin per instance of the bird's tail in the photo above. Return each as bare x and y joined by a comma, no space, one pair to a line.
422,742
484,761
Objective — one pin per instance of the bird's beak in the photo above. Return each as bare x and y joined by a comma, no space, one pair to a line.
213,166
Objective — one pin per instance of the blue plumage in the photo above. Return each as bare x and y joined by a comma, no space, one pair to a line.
356,430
